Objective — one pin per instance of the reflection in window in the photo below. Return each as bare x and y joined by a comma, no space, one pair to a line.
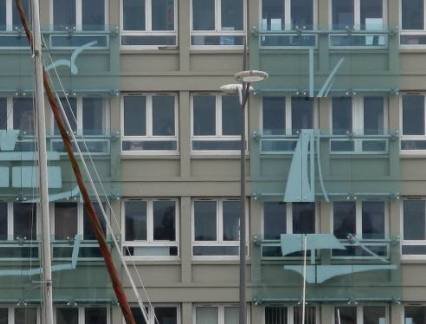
414,225
23,115
343,14
303,218
93,116
413,123
273,113
87,15
66,215
373,220
302,114
374,115
274,220
205,220
25,315
95,315
24,221
67,315
344,219
412,14
88,233
342,115
136,220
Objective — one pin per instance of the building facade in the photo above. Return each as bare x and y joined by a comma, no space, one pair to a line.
336,143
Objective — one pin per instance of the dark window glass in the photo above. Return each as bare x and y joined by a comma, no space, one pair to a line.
137,314
373,115
273,15
70,112
166,315
302,114
164,220
413,115
23,115
87,228
303,218
3,15
135,116
4,316
96,315
203,15
414,220
232,14
163,115
275,315
343,14
273,115
231,220
3,221
24,221
136,220
274,220
302,14
64,14
231,116
310,315
65,221
374,314
342,115
93,116
133,14
15,15
415,314
345,315
371,14
25,316
93,14
163,15
412,14
204,115
3,113
344,219
67,315
373,220
205,220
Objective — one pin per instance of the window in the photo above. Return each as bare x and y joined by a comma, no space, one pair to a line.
415,314
218,23
18,221
216,227
162,314
79,14
150,124
361,314
9,16
216,314
290,315
280,15
82,315
216,123
149,23
151,228
23,115
27,315
413,123
360,116
413,23
414,227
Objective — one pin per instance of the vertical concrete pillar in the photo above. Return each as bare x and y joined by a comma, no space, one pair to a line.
185,240
185,134
184,31
187,313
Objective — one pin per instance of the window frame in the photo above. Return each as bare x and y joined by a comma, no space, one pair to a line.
10,222
12,308
220,310
218,28
360,311
10,112
401,124
413,32
404,242
81,312
290,313
150,242
148,126
219,231
158,305
218,130
148,28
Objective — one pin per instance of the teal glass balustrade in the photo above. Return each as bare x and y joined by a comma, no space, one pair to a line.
341,271
317,164
87,62
318,63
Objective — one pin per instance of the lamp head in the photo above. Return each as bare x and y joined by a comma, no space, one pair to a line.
250,76
232,88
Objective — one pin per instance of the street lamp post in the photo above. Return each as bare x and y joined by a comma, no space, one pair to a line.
243,88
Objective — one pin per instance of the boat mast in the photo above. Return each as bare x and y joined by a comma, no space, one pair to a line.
46,258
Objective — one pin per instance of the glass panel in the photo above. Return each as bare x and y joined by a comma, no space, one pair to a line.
415,314
63,14
231,315
232,14
3,221
413,118
217,40
4,316
23,115
342,115
136,217
93,116
93,14
24,221
70,107
345,315
231,115
15,15
344,219
302,114
373,115
273,15
343,14
302,14
96,315
273,115
133,14
275,315
2,17
166,315
163,15
303,218
148,40
205,220
87,229
135,116
412,14
274,220
310,315
203,15
137,314
163,115
149,145
217,145
207,315
216,250
25,316
373,220
231,220
414,220
374,314
372,14
67,315
65,221
3,113
204,112
164,220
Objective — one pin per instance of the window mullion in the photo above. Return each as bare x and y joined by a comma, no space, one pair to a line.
219,131
80,219
288,115
79,121
289,218
148,15
424,115
424,15
81,318
290,314
357,14
218,15
358,217
149,118
10,228
78,14
359,315
287,14
150,221
219,221
9,22
9,108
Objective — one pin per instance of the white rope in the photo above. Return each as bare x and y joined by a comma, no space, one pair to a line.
305,241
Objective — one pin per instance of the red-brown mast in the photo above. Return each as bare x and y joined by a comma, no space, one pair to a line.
94,221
